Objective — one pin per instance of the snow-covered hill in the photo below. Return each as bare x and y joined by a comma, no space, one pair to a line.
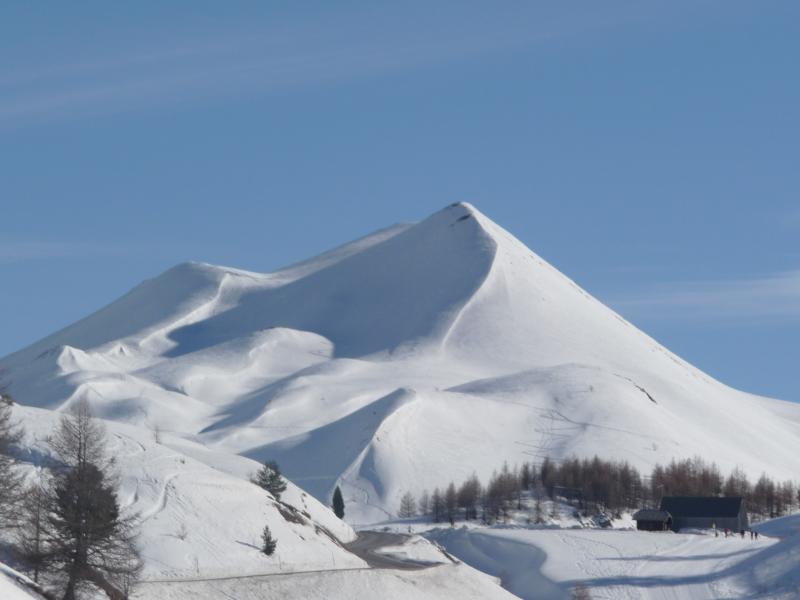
410,357
198,514
200,521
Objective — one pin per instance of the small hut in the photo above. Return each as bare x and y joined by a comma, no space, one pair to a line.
653,520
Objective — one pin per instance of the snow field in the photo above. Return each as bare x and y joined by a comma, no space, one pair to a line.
612,564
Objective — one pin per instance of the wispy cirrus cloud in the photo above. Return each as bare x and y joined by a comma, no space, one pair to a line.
15,250
269,60
23,250
775,296
792,218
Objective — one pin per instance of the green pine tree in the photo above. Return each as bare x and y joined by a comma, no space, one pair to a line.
338,503
269,477
269,543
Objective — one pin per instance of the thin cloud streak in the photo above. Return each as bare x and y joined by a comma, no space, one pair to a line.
774,297
269,62
792,219
18,250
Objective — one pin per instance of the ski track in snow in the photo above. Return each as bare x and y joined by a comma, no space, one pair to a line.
161,503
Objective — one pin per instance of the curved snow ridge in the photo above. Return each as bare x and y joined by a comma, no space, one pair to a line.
232,370
144,308
398,294
229,283
492,247
339,448
331,257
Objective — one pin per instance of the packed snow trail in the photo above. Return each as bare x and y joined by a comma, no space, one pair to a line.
386,571
447,582
369,544
545,564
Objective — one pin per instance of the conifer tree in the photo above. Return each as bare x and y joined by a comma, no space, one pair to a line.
268,543
338,503
90,541
269,477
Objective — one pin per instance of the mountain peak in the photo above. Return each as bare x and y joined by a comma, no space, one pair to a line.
507,358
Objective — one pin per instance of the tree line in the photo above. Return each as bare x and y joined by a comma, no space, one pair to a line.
594,485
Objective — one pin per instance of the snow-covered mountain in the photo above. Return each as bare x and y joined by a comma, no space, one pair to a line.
395,363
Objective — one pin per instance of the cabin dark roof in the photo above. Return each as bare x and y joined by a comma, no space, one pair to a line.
689,506
651,515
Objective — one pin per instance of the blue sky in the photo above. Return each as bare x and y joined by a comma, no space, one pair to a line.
647,149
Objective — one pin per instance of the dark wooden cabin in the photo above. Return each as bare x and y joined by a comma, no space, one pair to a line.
706,512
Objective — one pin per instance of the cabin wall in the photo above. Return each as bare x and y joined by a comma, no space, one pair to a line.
744,521
732,523
651,526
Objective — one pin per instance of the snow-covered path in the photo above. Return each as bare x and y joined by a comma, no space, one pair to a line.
447,581
614,565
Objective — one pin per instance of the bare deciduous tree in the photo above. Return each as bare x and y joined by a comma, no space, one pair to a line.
32,538
408,506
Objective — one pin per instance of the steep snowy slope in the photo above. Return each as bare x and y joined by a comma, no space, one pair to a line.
398,362
198,513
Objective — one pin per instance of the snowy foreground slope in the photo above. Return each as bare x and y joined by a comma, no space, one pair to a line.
198,514
546,564
397,363
15,586
200,521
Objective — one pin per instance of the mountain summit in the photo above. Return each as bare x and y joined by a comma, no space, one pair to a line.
396,363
